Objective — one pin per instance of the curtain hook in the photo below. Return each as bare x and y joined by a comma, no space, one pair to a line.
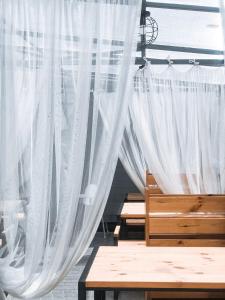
145,59
194,62
170,61
147,62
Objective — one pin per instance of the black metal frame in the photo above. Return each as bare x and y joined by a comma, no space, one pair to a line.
81,284
99,293
180,49
174,6
205,62
202,62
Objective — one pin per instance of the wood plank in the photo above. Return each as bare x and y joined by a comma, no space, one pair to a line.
185,215
135,197
129,243
187,203
189,236
185,242
116,232
135,222
150,180
158,267
152,184
133,210
194,225
154,190
146,213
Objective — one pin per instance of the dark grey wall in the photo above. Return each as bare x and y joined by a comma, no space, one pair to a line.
122,184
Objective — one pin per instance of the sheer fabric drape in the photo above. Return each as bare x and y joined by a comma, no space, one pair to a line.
60,61
178,119
131,155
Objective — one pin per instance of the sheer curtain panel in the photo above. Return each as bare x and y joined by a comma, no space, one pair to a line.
60,62
131,155
178,121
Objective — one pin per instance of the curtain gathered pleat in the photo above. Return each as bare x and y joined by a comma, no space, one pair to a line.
131,155
178,122
60,130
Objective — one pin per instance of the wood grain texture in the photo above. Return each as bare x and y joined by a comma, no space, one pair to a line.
155,190
133,210
116,232
135,222
191,225
147,215
135,197
130,243
173,242
150,180
158,267
196,215
152,184
187,203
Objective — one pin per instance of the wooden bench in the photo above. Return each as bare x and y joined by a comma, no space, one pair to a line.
133,220
154,269
185,220
135,197
120,242
133,211
152,184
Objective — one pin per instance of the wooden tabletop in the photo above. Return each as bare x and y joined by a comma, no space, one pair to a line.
133,210
158,267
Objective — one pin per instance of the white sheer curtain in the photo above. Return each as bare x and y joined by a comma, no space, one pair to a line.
178,119
131,156
60,60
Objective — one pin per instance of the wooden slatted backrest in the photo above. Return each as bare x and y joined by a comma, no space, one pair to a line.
192,220
152,184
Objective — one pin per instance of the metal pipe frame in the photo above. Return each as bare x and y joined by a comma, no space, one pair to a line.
187,7
202,62
180,49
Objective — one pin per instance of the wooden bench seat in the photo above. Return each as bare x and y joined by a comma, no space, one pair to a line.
154,269
152,184
133,211
133,220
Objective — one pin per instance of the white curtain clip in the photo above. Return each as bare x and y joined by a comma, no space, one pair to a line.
147,62
194,62
170,61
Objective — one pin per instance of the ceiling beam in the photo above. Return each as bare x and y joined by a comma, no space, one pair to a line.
183,7
202,62
180,49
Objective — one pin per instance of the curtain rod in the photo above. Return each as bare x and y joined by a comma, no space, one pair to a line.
202,62
180,49
211,9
